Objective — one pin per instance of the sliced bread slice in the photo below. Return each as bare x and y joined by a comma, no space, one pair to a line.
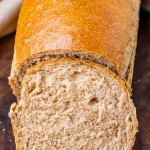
72,104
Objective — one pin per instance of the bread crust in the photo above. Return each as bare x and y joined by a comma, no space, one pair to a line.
14,125
106,30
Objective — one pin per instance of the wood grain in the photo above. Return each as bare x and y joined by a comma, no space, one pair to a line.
6,97
141,87
141,83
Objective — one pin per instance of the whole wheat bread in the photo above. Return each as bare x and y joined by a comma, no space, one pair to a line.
71,104
72,72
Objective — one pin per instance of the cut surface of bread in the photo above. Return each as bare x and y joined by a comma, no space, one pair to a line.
71,104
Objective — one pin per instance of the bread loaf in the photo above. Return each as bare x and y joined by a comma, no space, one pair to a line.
71,72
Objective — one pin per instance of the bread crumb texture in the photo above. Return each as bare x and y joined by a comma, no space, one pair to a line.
73,105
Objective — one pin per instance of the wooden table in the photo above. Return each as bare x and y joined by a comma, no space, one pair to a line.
141,88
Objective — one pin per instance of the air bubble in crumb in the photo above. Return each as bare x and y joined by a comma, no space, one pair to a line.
3,129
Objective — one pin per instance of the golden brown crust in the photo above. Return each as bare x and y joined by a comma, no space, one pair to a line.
14,125
102,28
130,74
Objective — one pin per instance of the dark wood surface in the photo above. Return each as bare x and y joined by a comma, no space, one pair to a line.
141,87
